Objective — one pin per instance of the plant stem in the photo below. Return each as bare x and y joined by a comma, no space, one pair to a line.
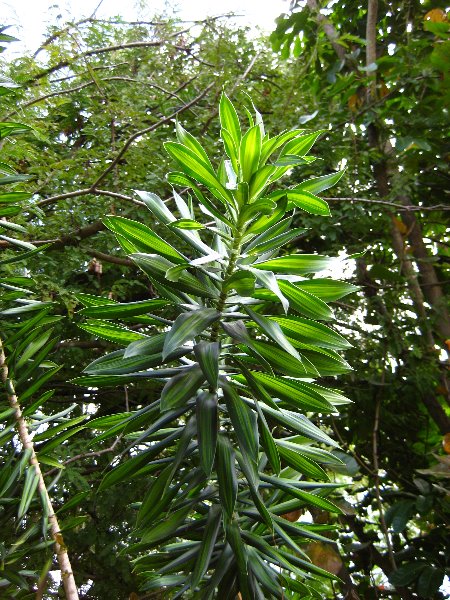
234,255
68,579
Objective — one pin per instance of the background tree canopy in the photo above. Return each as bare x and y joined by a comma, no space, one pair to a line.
96,103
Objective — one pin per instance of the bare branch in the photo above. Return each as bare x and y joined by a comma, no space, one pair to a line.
409,207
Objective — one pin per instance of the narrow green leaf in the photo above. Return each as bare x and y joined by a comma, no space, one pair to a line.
249,153
302,144
269,281
146,239
295,393
226,474
207,429
327,289
188,140
207,355
319,184
305,302
297,264
244,422
299,424
229,119
113,333
241,281
22,255
274,333
196,168
302,464
187,326
180,388
120,311
29,488
187,224
156,267
311,332
308,202
59,439
207,545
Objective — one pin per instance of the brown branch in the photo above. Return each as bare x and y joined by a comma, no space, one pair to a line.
86,192
67,576
108,49
82,456
116,260
403,207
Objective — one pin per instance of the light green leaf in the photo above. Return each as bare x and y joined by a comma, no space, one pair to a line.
229,119
143,236
123,310
297,264
304,302
249,153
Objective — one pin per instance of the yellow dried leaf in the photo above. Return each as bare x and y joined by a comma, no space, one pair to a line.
400,225
325,557
435,15
446,443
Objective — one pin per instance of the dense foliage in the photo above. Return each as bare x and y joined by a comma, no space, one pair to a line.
100,100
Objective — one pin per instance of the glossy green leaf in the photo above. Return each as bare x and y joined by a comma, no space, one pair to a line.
147,239
273,331
319,184
207,545
327,289
29,488
298,423
113,333
295,393
180,388
311,332
207,355
305,302
188,140
196,168
250,152
207,429
308,202
301,145
226,474
241,281
187,326
187,224
120,311
229,119
297,264
244,422
156,267
301,463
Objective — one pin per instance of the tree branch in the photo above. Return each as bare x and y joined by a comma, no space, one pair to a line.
142,132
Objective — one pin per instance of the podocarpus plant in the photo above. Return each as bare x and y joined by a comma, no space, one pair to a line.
231,446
